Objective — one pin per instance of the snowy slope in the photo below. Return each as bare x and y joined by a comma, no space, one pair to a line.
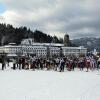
49,85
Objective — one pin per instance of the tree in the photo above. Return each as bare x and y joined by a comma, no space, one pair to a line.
55,39
10,34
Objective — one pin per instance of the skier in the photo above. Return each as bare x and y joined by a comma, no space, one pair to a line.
48,64
73,64
8,62
88,64
93,63
20,62
62,65
23,63
33,63
98,63
41,64
3,63
14,63
81,62
57,64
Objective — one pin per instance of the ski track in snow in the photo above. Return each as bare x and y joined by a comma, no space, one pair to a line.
49,85
92,93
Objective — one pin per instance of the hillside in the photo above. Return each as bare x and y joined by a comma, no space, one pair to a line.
90,43
10,34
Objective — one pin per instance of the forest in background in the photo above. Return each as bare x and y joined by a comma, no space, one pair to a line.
10,34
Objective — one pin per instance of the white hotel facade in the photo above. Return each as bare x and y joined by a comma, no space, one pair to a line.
27,46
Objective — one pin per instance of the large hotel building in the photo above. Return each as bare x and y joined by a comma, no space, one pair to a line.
28,47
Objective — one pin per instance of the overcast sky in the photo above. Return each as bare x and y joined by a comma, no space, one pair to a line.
79,18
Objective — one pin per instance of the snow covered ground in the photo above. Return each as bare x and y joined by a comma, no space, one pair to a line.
49,85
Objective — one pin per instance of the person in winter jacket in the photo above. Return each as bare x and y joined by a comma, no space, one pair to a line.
98,63
14,63
81,62
57,64
62,65
88,65
3,63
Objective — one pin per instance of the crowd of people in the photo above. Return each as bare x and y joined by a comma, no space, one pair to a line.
58,64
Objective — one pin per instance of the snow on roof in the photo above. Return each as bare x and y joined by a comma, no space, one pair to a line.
80,47
48,44
11,55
